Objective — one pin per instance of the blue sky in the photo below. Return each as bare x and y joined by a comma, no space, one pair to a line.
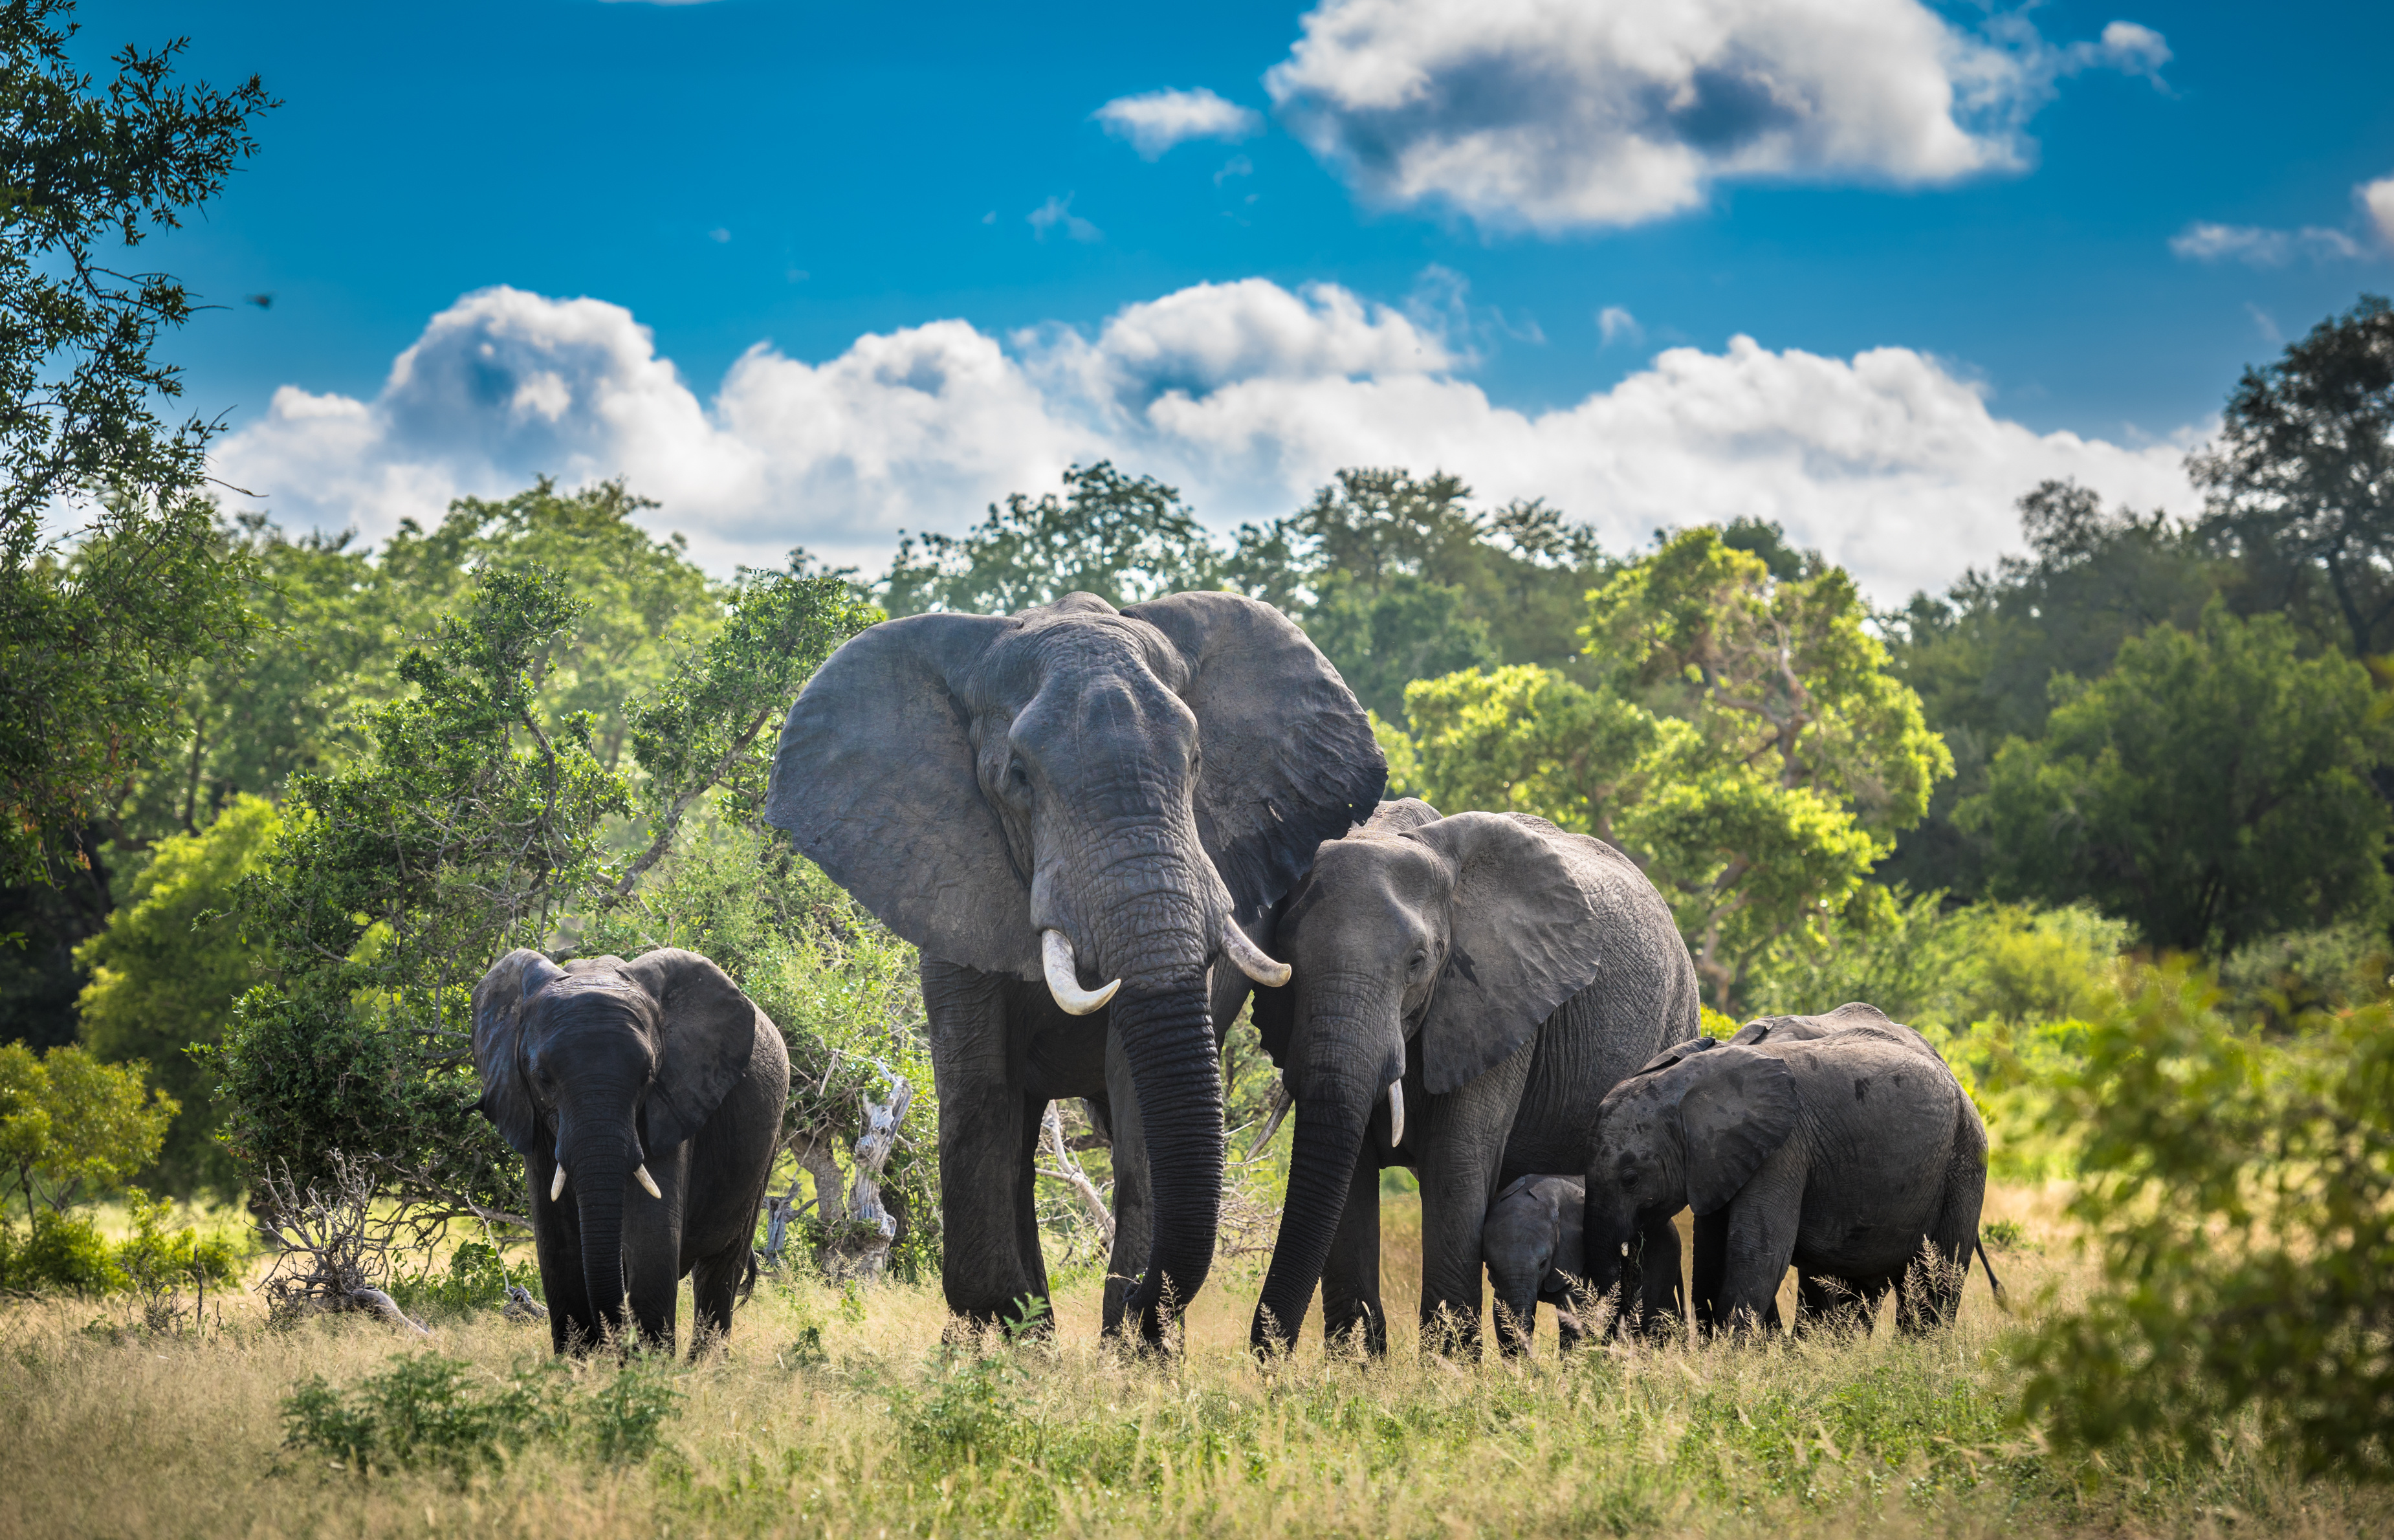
820,308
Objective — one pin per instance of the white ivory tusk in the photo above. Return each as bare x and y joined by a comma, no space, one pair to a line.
1274,1110
1251,958
1396,1113
642,1177
557,1183
1064,977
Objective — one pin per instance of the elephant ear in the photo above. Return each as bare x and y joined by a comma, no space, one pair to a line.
873,781
498,1044
1736,1108
1289,756
706,1032
1523,940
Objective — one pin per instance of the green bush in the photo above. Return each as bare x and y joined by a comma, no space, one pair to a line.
65,1253
476,1279
61,1253
431,1411
2239,1186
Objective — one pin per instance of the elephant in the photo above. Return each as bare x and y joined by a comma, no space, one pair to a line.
653,1090
1072,812
1496,975
1842,1144
1532,1245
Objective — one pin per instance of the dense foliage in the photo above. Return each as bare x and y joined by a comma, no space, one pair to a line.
96,628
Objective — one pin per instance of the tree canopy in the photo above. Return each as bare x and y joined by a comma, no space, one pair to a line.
96,627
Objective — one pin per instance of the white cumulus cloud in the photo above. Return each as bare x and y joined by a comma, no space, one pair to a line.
1556,115
1247,395
2378,201
1156,121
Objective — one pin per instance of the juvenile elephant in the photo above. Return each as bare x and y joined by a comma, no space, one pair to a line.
653,1092
1532,1246
1840,1144
1070,811
1491,975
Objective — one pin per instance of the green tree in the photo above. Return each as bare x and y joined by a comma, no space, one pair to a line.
1982,657
96,628
2239,1192
2212,788
1807,754
2301,480
1396,577
474,820
166,972
1122,538
1526,739
72,1127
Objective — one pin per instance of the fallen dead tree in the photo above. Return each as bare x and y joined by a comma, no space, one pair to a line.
335,1247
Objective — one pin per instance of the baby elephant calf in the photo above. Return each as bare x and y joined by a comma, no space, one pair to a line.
1532,1245
1841,1143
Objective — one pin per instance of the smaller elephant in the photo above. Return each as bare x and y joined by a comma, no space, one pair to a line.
1532,1245
1841,1144
651,1091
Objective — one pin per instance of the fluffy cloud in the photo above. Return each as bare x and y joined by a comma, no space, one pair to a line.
1245,395
2258,247
1553,114
1156,121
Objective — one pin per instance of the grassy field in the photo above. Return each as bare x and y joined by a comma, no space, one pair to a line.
841,1415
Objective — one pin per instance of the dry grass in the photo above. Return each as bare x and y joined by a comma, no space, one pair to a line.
878,1432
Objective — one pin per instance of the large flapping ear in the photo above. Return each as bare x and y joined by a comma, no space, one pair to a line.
1289,756
706,1032
1523,940
498,1044
1736,1108
873,779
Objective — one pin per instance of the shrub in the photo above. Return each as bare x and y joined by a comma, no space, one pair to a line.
63,1253
2241,1192
431,1411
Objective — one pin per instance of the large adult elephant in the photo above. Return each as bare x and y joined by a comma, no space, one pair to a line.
1070,811
1491,974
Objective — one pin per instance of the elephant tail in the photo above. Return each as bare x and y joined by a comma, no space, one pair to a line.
1993,1282
749,1280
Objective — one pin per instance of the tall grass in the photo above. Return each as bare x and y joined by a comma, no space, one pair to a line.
842,1412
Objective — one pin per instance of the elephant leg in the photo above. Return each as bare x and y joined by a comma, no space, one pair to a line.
1711,1258
1660,1303
714,1289
1763,1221
557,1245
1951,1235
1462,1165
653,1247
1030,1257
1133,1219
1351,1275
985,1146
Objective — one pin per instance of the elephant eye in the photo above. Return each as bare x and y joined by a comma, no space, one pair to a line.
1016,777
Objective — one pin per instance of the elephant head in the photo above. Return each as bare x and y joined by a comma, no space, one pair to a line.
1688,1130
1097,799
592,1069
1442,943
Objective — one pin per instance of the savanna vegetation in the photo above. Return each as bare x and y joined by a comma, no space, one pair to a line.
2108,823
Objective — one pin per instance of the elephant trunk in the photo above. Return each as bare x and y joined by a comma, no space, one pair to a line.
1328,1141
1168,1036
601,1168
1605,1250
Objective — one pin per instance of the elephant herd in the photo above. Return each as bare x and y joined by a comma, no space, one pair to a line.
1105,829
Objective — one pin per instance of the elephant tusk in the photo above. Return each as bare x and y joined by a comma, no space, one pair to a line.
1251,958
1396,1113
642,1177
1274,1110
557,1183
1064,977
